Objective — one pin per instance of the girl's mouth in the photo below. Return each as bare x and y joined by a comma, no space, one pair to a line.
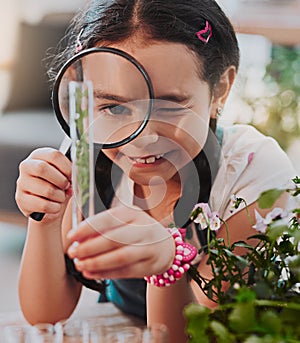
147,159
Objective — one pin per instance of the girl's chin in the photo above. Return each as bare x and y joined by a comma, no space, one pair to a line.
148,177
155,180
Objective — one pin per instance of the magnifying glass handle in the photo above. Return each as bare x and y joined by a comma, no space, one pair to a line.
64,147
38,216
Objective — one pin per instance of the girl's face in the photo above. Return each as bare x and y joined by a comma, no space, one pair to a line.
179,124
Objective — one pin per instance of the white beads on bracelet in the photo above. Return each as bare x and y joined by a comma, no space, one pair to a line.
184,255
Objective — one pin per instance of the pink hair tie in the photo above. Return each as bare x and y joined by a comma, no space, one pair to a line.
79,46
184,255
205,34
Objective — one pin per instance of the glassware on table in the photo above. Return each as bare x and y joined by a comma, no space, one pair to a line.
115,334
75,331
20,334
82,150
156,333
49,332
39,333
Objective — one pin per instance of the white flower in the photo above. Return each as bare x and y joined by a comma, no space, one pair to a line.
233,197
260,225
276,213
236,286
204,213
202,220
205,217
204,207
215,222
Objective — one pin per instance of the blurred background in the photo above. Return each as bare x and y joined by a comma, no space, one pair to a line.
266,94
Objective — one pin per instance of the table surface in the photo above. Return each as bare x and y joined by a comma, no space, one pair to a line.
99,310
104,312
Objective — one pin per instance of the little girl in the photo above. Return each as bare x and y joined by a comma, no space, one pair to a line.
190,52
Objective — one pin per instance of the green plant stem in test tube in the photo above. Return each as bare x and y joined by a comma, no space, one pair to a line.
82,151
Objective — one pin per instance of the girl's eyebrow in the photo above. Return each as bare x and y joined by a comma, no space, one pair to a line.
109,96
179,98
172,97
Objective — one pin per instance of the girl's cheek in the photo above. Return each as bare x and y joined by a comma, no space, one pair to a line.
111,154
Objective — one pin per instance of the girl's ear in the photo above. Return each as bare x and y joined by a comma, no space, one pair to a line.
221,91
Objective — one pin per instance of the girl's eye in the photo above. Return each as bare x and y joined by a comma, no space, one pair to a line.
116,110
171,111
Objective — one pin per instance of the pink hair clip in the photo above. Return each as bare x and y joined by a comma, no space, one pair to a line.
78,42
205,34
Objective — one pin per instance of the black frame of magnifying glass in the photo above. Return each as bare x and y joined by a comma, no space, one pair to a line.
140,68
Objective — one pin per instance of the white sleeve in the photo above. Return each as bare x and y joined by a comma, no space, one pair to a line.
251,164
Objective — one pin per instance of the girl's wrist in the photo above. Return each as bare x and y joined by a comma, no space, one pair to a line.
47,227
184,255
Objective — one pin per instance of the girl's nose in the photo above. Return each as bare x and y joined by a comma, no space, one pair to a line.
148,136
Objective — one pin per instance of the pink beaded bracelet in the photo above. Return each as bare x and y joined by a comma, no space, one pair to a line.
184,255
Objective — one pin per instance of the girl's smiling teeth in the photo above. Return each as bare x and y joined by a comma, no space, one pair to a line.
146,160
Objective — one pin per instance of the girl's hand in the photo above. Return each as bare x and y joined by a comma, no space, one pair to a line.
44,183
121,242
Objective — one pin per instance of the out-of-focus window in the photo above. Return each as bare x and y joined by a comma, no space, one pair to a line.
267,91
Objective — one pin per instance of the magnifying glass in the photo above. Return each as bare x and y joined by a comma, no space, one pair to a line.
122,96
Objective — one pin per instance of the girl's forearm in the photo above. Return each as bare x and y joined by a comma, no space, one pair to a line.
46,292
166,304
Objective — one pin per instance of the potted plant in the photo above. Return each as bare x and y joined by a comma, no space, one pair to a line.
262,298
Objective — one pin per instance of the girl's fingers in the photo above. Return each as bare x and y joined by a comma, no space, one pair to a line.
102,223
32,203
121,239
137,226
55,158
127,235
93,246
125,273
41,188
115,259
137,270
44,182
39,169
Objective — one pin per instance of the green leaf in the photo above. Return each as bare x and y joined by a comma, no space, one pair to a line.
221,332
255,339
290,316
245,295
285,247
270,322
242,261
296,180
296,192
260,237
276,231
242,244
268,198
214,252
296,237
229,253
242,317
198,322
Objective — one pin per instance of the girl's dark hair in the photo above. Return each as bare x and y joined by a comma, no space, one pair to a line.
178,21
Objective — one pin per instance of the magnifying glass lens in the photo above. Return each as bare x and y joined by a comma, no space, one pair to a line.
121,93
